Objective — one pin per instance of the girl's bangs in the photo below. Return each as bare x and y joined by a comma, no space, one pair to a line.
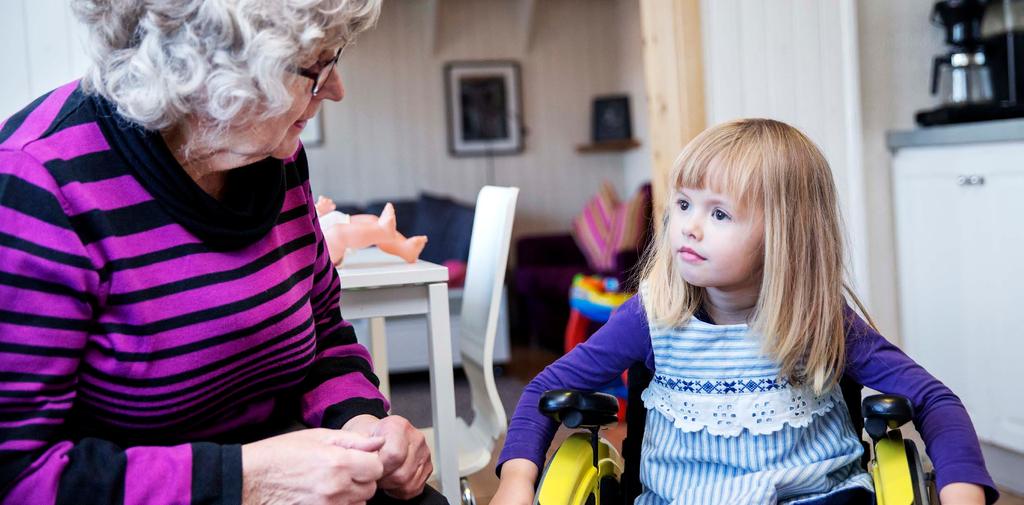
726,165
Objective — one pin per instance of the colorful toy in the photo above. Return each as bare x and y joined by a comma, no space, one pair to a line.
596,297
593,298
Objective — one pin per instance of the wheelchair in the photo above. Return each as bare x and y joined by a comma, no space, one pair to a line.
587,470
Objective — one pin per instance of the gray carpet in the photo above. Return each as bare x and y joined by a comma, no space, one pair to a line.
410,396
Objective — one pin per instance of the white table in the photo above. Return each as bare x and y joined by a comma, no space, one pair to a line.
375,285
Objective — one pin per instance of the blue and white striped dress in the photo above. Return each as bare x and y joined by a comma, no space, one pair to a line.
722,428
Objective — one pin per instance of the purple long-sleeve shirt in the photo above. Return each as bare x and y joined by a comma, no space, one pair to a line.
135,356
872,361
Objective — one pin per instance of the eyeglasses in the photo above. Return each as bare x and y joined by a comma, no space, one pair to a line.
320,73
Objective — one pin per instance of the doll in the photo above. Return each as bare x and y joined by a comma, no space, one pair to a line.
343,232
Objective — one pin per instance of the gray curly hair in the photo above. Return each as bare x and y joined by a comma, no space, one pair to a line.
159,61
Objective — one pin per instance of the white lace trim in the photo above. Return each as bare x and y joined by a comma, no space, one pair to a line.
728,414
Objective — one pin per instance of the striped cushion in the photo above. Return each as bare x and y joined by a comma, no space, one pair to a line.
632,222
607,226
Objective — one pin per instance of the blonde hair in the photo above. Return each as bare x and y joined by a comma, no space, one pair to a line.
775,171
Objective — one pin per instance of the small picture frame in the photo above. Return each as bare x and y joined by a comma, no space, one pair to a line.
484,108
611,119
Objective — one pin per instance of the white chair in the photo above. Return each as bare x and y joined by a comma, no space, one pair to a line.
481,299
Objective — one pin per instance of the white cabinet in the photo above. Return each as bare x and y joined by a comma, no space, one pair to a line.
960,239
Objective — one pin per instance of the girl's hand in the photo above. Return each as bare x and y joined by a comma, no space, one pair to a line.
516,487
311,466
962,493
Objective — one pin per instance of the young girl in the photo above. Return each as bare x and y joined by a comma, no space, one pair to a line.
742,318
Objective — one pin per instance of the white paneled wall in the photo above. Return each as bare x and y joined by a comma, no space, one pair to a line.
637,162
795,61
387,139
42,49
897,43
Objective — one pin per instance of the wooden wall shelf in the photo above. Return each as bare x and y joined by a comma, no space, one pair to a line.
608,146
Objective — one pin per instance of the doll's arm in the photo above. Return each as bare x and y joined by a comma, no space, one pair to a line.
324,205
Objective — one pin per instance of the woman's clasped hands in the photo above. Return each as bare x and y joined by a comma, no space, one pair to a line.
345,466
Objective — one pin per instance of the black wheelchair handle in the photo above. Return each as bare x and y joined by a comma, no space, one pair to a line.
882,412
579,409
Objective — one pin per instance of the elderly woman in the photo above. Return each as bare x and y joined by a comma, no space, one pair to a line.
167,306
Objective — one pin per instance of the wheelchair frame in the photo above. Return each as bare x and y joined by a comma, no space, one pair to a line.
587,470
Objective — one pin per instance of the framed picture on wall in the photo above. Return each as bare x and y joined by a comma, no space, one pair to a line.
611,119
484,108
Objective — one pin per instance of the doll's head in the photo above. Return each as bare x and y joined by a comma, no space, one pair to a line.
752,205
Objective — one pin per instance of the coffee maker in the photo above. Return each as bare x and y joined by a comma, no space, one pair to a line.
978,79
962,74
1002,35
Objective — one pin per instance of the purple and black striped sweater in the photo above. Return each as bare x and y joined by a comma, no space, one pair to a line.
134,356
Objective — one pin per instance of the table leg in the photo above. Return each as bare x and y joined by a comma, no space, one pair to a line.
442,392
379,354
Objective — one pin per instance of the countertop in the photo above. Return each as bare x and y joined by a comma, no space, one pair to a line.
964,133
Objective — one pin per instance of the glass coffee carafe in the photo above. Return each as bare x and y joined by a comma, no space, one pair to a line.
962,78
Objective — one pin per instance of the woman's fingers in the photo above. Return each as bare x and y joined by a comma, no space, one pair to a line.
354,493
312,466
394,453
361,467
416,484
408,481
350,440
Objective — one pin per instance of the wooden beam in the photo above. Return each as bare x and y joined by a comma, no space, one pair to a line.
674,72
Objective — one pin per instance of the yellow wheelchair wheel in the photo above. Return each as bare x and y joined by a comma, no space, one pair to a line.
571,478
896,468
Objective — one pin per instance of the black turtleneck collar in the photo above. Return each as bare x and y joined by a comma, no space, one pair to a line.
251,202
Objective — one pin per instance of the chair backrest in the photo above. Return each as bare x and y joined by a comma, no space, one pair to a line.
481,301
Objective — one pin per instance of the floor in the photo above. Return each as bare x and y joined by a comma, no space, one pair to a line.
527,363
